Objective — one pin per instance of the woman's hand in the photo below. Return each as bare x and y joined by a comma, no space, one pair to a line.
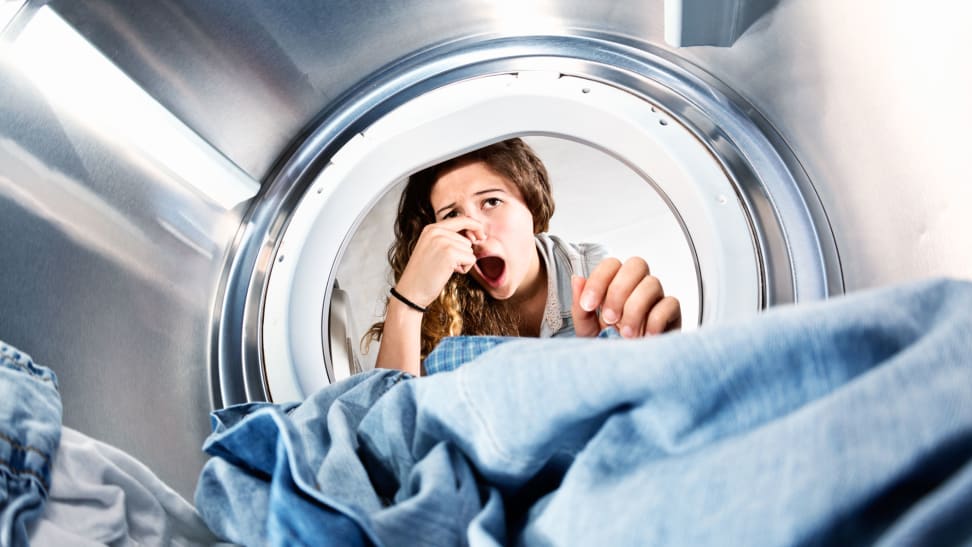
442,249
630,298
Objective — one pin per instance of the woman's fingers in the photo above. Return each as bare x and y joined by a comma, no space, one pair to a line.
458,234
666,315
467,227
622,286
634,317
629,297
596,285
439,252
463,257
585,321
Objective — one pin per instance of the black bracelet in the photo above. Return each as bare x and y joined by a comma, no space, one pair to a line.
407,302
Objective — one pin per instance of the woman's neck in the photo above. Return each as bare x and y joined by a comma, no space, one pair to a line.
531,300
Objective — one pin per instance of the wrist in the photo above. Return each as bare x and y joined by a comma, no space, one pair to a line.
406,301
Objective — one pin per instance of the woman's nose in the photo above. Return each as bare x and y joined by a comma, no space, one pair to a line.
479,235
474,236
481,218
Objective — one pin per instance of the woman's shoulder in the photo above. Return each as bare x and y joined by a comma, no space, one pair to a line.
580,257
556,242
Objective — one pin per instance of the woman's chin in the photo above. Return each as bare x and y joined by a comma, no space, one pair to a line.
499,294
499,289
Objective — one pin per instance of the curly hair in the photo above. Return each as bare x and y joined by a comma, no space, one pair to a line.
463,307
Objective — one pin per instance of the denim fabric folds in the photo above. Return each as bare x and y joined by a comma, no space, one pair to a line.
61,487
841,422
30,431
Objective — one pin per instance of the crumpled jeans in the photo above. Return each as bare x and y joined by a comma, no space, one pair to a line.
61,487
841,422
30,431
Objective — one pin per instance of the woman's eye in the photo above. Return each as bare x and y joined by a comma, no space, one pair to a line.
489,203
450,214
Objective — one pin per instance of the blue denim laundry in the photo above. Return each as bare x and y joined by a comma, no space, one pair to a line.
30,431
841,422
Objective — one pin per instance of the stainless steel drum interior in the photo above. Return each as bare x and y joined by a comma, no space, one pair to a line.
151,155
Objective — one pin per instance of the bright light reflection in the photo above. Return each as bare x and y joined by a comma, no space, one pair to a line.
526,17
8,10
83,83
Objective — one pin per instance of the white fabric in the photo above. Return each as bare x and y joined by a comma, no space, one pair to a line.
562,260
103,496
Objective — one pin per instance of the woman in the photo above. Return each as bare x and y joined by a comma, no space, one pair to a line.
471,257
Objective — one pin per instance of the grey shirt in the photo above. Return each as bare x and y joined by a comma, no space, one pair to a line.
562,260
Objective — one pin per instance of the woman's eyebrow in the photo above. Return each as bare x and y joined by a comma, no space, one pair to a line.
479,193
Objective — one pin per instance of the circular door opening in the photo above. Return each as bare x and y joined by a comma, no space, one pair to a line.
743,223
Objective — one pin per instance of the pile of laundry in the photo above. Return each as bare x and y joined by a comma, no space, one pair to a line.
841,422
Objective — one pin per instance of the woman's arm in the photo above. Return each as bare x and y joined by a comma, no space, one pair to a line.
444,248
401,339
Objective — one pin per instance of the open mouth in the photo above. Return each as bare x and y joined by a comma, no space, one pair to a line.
491,268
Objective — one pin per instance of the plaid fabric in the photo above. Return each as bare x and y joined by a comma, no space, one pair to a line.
455,351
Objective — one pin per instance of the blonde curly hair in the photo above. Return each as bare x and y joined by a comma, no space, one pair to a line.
464,307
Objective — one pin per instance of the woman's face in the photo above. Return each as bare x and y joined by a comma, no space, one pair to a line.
507,260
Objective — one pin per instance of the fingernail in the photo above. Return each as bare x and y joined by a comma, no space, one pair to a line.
587,302
609,316
627,331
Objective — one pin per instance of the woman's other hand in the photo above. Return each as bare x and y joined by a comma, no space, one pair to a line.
630,298
442,249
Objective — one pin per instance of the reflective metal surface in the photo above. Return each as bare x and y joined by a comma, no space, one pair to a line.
131,147
114,220
872,97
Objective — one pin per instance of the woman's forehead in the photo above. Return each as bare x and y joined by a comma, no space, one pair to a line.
468,180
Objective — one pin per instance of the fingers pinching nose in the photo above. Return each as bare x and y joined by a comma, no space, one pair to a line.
473,237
